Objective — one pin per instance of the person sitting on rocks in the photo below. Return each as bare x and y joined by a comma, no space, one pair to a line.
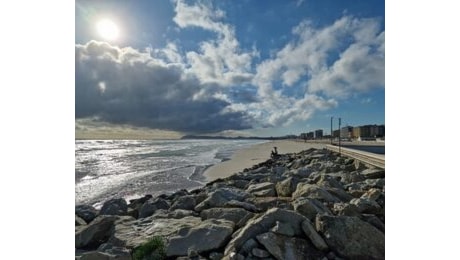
274,153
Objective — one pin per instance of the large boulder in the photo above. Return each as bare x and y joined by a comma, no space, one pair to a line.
232,214
219,197
209,235
262,224
351,237
152,205
265,189
133,233
114,207
283,247
313,191
286,187
366,205
310,207
96,233
375,173
314,237
187,202
86,212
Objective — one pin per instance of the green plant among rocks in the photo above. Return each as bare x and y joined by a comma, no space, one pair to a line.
151,250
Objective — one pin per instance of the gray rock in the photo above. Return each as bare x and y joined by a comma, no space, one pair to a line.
375,183
366,205
177,214
266,203
114,207
79,221
221,196
133,233
95,233
260,253
232,214
374,221
283,229
209,235
249,245
347,178
95,255
216,256
282,247
279,170
375,173
345,209
239,204
152,205
313,191
262,189
372,194
329,182
340,194
86,212
286,187
351,237
314,237
187,202
263,224
310,207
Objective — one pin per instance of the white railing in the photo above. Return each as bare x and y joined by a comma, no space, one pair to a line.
377,160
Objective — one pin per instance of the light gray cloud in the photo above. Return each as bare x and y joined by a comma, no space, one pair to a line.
125,86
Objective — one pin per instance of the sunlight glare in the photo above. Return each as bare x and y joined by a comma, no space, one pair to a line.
107,29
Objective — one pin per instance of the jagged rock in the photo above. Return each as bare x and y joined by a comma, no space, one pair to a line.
79,221
239,204
260,253
86,212
95,233
345,209
186,202
375,173
249,245
286,187
314,237
209,235
177,214
329,182
265,203
132,233
366,205
279,170
137,203
340,194
221,196
117,207
282,247
231,214
375,183
263,224
108,251
347,178
351,237
313,191
96,255
262,189
310,207
374,221
283,229
372,194
240,184
152,205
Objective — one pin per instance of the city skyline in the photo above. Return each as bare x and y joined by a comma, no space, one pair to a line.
170,68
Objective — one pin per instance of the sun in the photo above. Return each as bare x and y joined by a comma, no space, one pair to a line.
107,29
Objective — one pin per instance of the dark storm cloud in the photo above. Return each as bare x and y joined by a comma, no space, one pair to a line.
131,87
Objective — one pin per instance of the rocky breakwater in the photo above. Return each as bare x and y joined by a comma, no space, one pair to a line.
311,205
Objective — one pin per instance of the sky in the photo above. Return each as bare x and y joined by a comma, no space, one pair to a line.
267,68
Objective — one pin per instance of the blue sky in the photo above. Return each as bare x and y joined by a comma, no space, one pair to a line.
232,67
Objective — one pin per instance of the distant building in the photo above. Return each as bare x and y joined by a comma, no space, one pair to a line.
335,133
310,135
319,134
346,132
369,132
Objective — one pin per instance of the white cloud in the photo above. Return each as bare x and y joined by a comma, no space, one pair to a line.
218,61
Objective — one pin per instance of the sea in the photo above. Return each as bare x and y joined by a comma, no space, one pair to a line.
106,169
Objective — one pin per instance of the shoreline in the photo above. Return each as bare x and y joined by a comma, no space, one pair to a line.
255,154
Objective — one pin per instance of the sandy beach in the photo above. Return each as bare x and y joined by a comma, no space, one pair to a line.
253,155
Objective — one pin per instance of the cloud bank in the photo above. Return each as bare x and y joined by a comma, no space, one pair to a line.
219,87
